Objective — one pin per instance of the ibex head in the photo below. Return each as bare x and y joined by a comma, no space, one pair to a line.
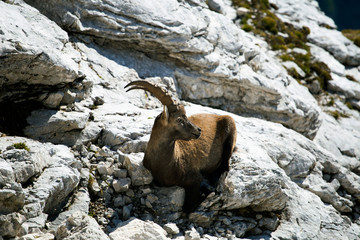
173,120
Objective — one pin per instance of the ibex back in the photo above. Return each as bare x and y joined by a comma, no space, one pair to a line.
184,150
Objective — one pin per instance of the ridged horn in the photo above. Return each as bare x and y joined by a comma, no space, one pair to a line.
158,92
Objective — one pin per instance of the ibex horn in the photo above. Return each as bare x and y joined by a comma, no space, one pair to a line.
158,92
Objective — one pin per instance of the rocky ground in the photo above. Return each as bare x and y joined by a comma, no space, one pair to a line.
72,140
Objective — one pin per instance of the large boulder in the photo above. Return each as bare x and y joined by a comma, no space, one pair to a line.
29,68
227,70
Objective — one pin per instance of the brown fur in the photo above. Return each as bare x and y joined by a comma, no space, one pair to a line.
176,155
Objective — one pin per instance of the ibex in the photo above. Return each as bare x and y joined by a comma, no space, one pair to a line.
182,150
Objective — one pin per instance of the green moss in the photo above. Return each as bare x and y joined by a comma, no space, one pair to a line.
287,57
331,102
21,145
247,28
349,105
292,72
323,73
91,181
241,3
269,24
336,114
245,18
277,42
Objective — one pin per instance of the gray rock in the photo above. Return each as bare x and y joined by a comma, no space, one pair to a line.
79,203
171,228
35,224
168,202
10,224
192,234
327,193
137,229
12,198
138,173
121,185
53,100
80,226
56,126
350,181
53,186
6,173
24,32
120,173
37,236
206,54
24,164
203,219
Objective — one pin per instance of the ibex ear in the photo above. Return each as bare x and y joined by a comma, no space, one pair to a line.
165,114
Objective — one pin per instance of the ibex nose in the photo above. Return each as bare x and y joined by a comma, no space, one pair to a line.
199,129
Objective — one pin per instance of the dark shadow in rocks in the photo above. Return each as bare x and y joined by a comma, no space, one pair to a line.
13,116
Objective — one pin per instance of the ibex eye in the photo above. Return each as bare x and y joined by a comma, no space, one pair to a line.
180,120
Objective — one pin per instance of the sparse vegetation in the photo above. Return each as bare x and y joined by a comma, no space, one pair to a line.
266,24
336,114
353,35
21,145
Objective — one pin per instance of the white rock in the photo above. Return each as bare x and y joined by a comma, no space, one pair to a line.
138,173
323,56
56,126
136,229
344,86
80,226
121,185
192,234
329,138
37,236
209,45
171,228
80,203
24,32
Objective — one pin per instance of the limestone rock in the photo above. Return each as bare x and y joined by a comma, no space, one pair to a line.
344,86
171,228
10,224
56,126
192,235
138,173
137,229
80,226
38,236
23,34
249,185
79,203
121,185
210,58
